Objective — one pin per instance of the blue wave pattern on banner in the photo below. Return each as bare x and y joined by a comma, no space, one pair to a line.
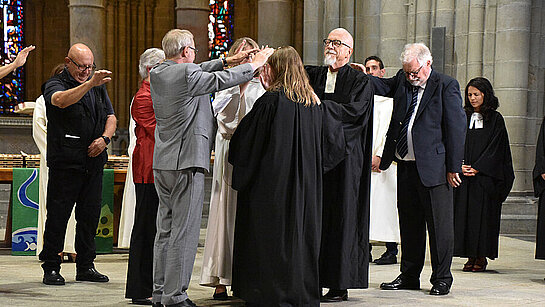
22,195
24,239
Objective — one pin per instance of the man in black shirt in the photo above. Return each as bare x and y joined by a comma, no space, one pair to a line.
81,122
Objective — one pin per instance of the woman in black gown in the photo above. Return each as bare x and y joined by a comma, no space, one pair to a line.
539,188
488,178
279,152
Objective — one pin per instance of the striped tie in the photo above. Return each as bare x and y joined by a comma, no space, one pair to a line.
402,146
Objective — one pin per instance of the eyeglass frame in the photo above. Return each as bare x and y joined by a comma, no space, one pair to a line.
335,42
414,74
85,67
193,48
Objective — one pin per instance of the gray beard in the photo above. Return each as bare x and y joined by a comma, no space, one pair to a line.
329,59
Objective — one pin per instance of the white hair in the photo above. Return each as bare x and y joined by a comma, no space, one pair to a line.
417,51
174,42
149,58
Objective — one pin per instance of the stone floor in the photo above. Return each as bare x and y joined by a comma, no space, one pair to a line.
514,279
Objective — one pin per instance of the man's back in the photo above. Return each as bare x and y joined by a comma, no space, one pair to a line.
185,123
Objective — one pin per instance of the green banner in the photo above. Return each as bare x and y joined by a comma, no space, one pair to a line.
25,195
104,238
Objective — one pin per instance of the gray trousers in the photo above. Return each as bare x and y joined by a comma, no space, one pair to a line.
181,196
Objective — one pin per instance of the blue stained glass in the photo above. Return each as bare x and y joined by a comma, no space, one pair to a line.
12,40
220,28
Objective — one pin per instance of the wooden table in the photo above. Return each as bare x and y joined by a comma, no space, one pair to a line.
6,177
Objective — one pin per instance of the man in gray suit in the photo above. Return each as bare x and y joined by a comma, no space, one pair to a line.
183,140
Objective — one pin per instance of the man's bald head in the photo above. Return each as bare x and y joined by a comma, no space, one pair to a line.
79,61
338,48
344,34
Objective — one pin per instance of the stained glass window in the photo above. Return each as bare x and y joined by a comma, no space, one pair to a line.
11,29
220,27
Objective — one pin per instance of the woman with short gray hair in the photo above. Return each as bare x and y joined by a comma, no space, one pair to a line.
140,271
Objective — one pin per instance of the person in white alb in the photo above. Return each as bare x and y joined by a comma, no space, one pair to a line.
384,221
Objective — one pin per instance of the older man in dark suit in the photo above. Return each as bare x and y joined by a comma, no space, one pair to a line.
426,136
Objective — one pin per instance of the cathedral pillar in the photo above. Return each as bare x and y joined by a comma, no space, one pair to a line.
87,25
193,15
275,22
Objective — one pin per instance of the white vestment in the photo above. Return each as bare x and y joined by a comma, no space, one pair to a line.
128,206
218,248
39,133
384,220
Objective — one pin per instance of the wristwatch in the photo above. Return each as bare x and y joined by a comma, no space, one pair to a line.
224,62
106,139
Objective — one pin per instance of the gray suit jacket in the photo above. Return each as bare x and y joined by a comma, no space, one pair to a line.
185,129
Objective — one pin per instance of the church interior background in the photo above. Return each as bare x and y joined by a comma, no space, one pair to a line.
498,39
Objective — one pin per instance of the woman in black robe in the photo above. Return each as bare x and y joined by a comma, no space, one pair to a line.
539,188
279,152
488,178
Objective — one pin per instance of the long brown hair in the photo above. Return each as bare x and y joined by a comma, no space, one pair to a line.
249,42
289,75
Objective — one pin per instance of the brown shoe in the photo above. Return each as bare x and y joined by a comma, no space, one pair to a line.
468,267
480,265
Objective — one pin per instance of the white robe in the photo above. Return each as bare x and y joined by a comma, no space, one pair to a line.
39,133
218,247
128,206
384,220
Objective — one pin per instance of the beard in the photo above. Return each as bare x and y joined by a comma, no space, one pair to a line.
330,58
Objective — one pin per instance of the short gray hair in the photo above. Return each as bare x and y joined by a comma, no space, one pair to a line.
149,58
175,40
417,51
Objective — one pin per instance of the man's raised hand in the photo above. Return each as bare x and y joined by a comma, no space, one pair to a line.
101,77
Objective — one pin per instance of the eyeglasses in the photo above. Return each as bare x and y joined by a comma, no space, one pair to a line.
194,49
83,68
414,74
335,42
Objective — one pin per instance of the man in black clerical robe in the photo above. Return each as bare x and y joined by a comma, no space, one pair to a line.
279,152
344,254
539,188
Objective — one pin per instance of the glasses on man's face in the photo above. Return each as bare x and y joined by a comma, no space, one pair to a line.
414,74
83,68
335,42
194,49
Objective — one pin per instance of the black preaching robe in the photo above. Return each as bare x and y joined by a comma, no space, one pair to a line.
279,152
344,255
539,187
478,200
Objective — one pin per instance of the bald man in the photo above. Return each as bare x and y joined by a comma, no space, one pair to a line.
344,254
81,122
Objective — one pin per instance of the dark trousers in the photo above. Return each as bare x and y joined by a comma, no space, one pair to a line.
65,188
419,206
140,271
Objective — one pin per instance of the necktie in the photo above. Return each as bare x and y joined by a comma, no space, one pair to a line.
402,146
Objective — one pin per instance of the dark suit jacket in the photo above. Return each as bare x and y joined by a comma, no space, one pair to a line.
439,127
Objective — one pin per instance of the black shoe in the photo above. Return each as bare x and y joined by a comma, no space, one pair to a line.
401,283
91,274
157,304
53,278
386,258
141,301
334,296
440,288
221,296
186,303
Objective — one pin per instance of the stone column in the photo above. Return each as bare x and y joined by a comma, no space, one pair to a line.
393,33
445,13
313,32
475,39
367,38
511,83
87,24
275,22
193,15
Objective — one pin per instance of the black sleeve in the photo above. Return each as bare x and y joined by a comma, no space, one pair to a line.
250,140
